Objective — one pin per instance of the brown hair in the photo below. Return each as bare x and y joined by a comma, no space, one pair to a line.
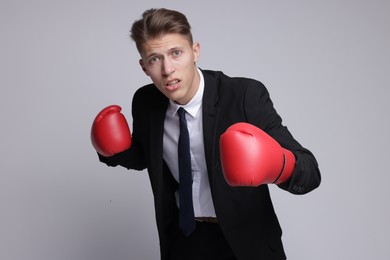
157,22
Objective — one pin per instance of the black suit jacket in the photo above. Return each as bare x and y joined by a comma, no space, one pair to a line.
245,214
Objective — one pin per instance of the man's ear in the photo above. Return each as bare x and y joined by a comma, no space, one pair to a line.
141,63
196,51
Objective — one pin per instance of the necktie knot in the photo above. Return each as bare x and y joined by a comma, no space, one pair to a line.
182,114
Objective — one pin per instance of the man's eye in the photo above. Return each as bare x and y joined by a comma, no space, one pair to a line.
153,60
176,53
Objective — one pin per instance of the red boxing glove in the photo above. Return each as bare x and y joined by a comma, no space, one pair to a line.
110,133
250,157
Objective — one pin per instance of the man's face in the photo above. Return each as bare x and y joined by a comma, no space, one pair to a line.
170,61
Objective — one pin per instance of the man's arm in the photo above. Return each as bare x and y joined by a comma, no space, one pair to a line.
260,112
112,140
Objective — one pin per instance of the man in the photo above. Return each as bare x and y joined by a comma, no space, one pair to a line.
237,145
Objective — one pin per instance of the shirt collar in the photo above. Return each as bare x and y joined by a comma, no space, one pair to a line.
195,103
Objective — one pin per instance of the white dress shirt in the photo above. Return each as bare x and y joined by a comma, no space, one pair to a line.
201,193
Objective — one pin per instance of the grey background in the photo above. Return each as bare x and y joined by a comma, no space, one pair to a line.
325,63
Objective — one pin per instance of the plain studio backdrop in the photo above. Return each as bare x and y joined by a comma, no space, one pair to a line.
326,65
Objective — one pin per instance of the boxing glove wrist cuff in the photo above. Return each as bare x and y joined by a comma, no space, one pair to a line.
288,167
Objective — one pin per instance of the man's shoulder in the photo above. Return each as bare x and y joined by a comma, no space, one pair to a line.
224,80
149,91
149,95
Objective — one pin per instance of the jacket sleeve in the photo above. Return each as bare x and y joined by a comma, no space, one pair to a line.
134,157
131,159
260,111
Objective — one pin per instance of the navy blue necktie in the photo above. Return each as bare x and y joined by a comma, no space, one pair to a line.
186,217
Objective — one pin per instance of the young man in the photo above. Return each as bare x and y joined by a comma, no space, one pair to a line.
237,145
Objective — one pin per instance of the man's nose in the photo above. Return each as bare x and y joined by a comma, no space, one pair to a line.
168,67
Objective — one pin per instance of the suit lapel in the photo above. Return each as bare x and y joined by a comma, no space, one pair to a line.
210,118
156,123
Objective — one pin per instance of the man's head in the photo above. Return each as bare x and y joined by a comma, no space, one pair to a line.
158,22
168,54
